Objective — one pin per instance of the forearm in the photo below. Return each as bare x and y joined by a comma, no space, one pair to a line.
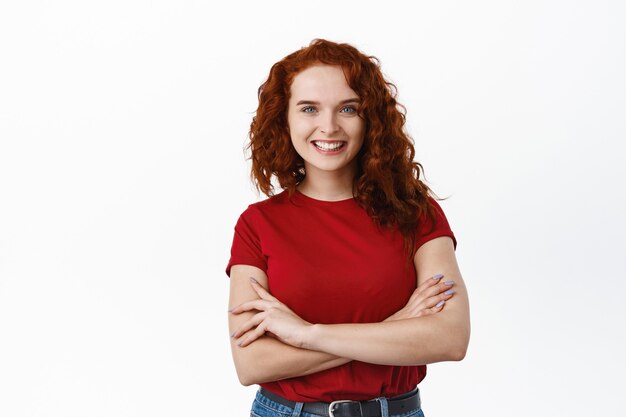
268,359
414,341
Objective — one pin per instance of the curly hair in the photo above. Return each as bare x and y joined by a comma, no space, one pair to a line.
387,183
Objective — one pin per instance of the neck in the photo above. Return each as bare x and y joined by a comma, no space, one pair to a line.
328,186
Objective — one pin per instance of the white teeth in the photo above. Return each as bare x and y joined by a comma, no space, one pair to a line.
325,146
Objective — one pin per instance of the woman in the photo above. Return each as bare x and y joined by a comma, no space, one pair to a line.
337,283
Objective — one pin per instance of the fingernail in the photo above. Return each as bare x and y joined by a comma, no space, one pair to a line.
254,280
449,283
232,334
440,303
438,276
449,292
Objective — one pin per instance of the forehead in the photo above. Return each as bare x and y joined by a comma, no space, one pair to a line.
321,83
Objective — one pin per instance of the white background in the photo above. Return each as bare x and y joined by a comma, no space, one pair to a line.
122,173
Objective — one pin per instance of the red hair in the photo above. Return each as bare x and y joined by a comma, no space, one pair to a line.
387,183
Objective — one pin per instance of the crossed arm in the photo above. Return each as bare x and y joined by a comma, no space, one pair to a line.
267,359
422,332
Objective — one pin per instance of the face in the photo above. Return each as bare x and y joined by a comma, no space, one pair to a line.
325,128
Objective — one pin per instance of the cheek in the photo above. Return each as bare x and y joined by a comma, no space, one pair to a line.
357,130
300,130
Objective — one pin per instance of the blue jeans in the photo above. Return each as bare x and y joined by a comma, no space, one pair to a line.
264,407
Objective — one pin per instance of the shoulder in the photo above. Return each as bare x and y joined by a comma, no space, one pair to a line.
268,206
432,226
436,206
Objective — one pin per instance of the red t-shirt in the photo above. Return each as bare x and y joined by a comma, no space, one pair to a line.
330,263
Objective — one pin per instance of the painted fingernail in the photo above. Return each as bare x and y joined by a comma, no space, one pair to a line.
449,283
438,276
254,280
449,292
440,303
232,334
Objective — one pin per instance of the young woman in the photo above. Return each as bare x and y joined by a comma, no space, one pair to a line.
345,284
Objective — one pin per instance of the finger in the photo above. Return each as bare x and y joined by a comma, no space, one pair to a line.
437,307
431,310
249,324
433,301
262,292
251,336
440,288
261,305
434,280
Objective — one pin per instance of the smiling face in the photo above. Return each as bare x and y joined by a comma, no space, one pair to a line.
325,128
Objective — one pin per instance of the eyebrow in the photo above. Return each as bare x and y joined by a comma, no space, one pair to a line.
350,100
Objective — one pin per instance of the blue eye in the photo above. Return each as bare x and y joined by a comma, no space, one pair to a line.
308,109
349,109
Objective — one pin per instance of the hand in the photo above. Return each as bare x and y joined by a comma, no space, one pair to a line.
429,298
273,317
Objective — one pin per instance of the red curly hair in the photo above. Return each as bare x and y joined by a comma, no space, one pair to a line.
387,183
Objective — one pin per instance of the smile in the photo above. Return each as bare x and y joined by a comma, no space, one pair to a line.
329,146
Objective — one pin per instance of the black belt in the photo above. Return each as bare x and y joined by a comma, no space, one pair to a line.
346,408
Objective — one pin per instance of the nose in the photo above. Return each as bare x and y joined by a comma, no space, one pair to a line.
328,123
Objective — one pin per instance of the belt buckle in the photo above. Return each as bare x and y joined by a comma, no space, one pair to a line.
331,413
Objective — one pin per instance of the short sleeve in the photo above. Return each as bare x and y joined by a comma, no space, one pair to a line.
428,230
246,248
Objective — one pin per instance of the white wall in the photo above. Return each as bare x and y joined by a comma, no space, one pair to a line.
122,174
